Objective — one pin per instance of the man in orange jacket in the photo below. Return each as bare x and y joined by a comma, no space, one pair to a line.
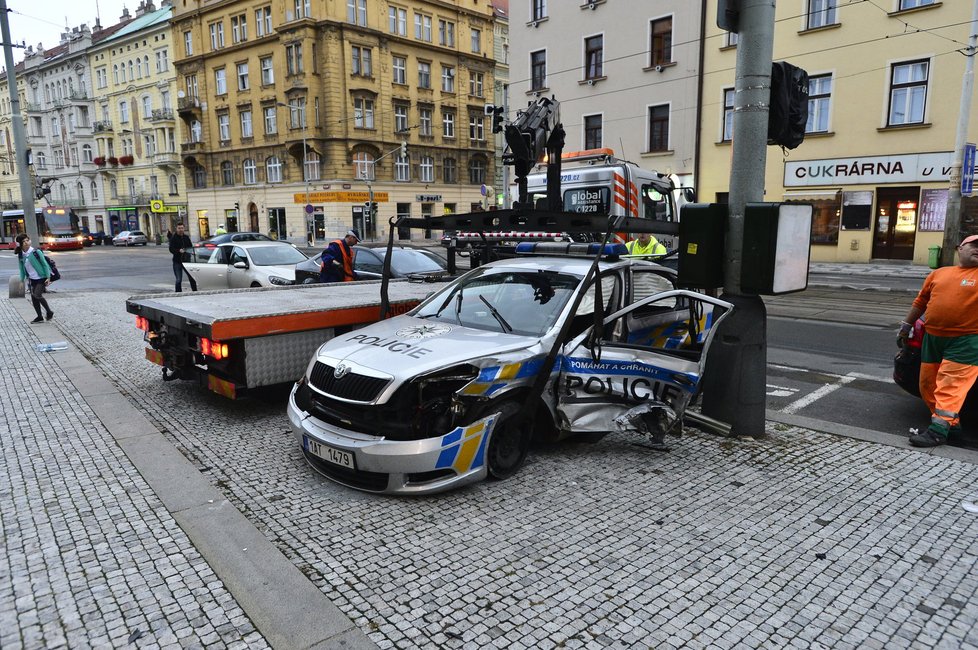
949,355
337,259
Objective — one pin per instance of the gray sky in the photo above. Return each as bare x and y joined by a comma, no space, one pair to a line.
42,21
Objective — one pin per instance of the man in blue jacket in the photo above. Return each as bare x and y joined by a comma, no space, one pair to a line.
337,259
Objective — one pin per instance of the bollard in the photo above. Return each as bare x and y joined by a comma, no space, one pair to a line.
16,287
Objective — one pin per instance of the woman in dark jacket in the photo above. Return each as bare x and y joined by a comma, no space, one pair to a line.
34,268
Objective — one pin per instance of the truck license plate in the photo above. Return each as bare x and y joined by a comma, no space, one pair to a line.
327,453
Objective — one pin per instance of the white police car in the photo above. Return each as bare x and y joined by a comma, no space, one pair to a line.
432,399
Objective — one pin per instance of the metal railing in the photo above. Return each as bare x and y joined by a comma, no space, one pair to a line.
102,125
161,114
187,103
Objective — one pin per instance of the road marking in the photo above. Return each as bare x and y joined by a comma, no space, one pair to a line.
854,375
817,394
780,391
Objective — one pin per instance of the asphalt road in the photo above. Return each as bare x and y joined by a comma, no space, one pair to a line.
830,351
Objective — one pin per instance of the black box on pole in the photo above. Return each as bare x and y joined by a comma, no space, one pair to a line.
702,228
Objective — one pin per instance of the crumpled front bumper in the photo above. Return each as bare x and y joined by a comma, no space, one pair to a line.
386,466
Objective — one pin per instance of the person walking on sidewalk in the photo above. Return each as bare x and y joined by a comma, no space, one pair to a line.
949,355
35,269
179,244
337,259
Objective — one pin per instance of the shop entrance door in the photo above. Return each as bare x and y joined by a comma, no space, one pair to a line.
896,223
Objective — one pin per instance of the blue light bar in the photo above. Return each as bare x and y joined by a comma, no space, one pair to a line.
570,249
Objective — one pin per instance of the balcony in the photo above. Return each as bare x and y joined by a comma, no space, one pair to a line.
167,159
30,107
160,115
188,104
190,147
102,126
125,198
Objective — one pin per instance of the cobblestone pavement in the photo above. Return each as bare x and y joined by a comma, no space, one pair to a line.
795,539
89,555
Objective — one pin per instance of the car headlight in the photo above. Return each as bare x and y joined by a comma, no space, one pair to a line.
280,281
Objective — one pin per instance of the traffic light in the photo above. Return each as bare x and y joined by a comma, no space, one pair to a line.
236,206
373,211
497,119
403,149
41,191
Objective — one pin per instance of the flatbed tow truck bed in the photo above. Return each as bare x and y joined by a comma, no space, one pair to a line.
234,340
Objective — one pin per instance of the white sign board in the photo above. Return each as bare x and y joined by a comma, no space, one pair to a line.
900,168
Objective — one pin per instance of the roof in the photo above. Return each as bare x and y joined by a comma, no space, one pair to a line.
160,16
500,8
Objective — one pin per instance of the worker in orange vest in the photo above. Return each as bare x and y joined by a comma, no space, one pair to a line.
337,259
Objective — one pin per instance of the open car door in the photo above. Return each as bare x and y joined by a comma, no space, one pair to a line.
644,368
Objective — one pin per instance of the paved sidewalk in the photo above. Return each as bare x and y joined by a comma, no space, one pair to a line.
794,539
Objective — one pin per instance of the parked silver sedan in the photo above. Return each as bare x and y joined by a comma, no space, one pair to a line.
239,265
130,238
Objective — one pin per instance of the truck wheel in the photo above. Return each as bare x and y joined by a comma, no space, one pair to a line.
509,444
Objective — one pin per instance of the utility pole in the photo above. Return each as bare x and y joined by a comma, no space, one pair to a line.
507,199
20,138
734,389
952,218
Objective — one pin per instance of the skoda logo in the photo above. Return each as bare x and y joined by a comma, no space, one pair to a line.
341,371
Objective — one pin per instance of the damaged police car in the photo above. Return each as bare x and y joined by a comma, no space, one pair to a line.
434,399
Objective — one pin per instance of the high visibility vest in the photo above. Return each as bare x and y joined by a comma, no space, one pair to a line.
347,259
652,248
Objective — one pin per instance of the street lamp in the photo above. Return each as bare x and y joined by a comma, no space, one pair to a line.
305,160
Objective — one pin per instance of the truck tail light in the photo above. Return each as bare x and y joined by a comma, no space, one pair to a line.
214,349
142,323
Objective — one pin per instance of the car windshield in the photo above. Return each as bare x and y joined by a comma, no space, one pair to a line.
408,261
275,255
522,302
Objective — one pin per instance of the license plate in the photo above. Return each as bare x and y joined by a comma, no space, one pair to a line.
327,453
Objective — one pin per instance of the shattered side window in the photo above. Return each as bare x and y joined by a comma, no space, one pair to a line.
647,282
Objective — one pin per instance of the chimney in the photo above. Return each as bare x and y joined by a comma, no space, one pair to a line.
141,9
125,15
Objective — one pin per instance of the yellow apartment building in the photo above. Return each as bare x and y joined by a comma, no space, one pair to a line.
295,112
135,127
885,85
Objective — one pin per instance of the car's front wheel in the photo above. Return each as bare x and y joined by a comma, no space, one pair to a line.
510,442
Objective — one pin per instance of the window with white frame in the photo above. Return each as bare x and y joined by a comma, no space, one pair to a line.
476,35
363,113
400,118
132,188
271,120
477,126
93,188
363,164
908,93
147,106
362,61
730,39
173,184
399,70
239,28
728,112
476,84
224,127
448,124
217,35
397,21
101,77
162,61
446,33
402,168
820,13
913,4
196,131
243,81
267,71
87,153
123,111
246,127
113,189
477,170
249,171
819,103
273,169
424,74
312,166
302,9
424,122
448,79
188,43
426,169
297,113
263,21
220,82
422,27
356,12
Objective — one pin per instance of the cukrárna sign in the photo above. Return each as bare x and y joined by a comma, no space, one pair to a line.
900,168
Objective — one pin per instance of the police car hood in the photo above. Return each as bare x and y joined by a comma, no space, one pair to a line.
414,346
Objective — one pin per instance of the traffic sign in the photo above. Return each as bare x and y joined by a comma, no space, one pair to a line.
308,208
968,170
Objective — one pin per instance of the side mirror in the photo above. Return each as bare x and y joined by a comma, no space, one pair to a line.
240,265
689,194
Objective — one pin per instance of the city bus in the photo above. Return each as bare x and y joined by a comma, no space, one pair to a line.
57,225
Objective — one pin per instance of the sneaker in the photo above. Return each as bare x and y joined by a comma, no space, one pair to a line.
929,438
50,315
37,320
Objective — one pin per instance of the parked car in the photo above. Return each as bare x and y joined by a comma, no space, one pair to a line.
238,265
368,264
130,238
88,239
214,242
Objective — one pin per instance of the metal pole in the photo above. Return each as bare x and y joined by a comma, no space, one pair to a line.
305,170
507,199
952,218
20,138
736,370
